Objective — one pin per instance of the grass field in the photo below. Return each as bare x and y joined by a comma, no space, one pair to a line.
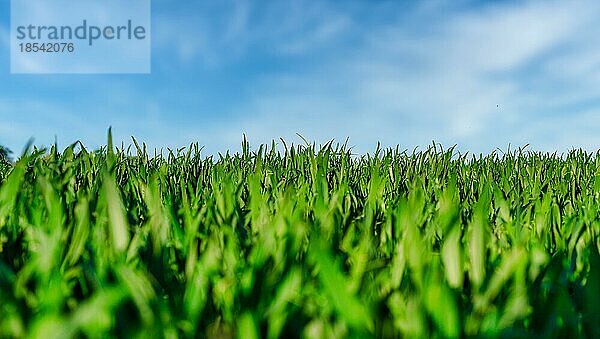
302,241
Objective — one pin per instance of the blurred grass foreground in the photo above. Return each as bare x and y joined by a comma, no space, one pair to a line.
299,241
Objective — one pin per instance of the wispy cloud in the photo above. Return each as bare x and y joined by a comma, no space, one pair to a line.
461,78
217,34
481,75
129,112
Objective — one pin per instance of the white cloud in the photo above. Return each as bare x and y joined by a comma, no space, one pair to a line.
563,132
484,77
128,112
317,36
505,37
460,80
285,27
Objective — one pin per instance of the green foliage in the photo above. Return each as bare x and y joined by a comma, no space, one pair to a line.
299,242
5,161
5,153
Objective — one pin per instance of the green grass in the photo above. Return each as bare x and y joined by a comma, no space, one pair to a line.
303,241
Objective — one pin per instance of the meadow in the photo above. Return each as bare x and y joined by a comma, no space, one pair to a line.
299,241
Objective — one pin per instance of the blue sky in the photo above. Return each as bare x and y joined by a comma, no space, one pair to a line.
478,74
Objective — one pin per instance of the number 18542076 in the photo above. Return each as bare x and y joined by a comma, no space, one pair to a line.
49,47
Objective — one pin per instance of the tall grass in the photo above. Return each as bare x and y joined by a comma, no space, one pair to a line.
303,241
